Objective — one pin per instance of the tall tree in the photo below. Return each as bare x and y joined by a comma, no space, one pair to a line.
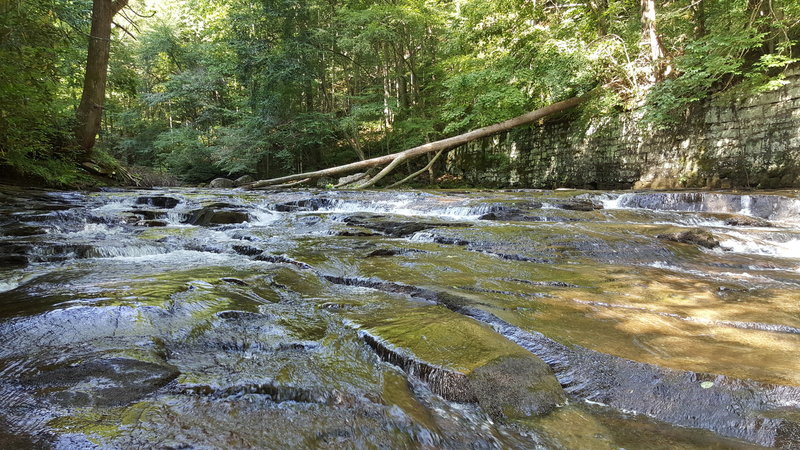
90,110
653,40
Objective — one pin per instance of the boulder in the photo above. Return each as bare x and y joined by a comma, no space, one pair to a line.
246,179
747,221
221,183
309,204
352,179
701,238
158,202
397,229
209,216
580,205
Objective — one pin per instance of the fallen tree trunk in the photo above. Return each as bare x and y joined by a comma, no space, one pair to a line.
445,144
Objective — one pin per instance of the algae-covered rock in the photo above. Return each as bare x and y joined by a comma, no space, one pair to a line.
580,205
747,221
697,237
516,387
462,360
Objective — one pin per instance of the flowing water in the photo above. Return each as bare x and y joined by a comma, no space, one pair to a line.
477,319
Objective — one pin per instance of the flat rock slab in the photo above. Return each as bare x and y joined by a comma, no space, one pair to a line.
462,360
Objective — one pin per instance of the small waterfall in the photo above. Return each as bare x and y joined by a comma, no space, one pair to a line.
770,207
400,205
261,216
137,250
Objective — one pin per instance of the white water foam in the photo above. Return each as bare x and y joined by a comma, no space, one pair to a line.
178,258
8,285
262,217
135,251
739,276
406,207
754,245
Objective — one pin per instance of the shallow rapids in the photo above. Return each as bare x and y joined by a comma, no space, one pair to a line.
445,319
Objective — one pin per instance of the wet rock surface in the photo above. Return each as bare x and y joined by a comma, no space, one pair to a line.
158,201
697,237
521,319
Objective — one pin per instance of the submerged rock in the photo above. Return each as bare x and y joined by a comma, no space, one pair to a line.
507,214
696,237
233,280
103,382
22,231
392,252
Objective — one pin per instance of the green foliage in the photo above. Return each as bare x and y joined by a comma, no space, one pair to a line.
731,50
707,61
184,154
35,119
223,88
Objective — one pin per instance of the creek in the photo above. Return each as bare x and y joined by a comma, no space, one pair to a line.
177,318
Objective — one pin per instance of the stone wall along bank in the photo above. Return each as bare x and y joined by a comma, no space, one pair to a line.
752,142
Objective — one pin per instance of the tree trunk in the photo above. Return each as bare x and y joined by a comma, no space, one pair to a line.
599,9
90,110
699,13
395,158
652,40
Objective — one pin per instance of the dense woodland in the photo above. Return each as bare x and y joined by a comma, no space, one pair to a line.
203,88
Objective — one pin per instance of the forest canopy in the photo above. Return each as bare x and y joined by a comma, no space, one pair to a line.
205,88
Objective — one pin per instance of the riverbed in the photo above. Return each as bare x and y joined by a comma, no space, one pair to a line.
204,318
